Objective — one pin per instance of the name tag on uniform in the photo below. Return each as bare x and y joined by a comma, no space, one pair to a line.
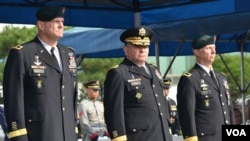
135,82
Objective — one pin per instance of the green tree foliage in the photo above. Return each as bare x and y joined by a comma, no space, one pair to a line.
12,36
95,69
234,64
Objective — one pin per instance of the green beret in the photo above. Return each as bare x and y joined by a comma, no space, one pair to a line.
93,84
47,13
137,36
201,41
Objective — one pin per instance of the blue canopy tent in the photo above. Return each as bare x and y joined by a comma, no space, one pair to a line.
105,43
120,14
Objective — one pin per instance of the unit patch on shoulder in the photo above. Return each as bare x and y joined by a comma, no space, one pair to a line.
18,47
187,74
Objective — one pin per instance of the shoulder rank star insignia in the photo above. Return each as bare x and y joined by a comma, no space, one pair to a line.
18,47
116,66
152,65
187,74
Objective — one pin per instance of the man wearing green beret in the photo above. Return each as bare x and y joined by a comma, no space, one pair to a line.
40,84
203,96
135,108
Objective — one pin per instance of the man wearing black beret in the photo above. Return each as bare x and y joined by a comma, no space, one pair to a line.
203,96
135,108
40,84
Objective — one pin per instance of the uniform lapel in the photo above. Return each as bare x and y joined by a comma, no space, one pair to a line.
63,58
140,71
207,78
46,57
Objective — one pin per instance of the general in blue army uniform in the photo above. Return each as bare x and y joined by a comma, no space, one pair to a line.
135,108
40,91
174,118
203,99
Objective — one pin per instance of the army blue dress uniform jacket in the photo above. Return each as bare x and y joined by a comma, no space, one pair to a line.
174,122
203,106
39,98
135,108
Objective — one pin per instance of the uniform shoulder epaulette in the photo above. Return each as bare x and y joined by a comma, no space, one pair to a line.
187,74
152,65
72,48
114,67
18,47
223,73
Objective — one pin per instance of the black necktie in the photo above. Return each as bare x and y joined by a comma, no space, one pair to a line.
53,54
213,77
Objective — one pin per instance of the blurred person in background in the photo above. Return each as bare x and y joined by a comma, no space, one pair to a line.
91,114
174,119
238,116
3,123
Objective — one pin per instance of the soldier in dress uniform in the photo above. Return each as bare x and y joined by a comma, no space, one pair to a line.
135,108
174,118
91,113
204,102
39,87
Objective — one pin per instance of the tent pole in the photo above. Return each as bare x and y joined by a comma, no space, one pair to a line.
174,56
157,54
137,14
242,45
137,19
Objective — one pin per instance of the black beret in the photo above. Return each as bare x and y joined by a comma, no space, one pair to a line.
167,83
137,36
93,84
201,41
47,13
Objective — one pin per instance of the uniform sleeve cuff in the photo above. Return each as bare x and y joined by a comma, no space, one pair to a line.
93,136
193,138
